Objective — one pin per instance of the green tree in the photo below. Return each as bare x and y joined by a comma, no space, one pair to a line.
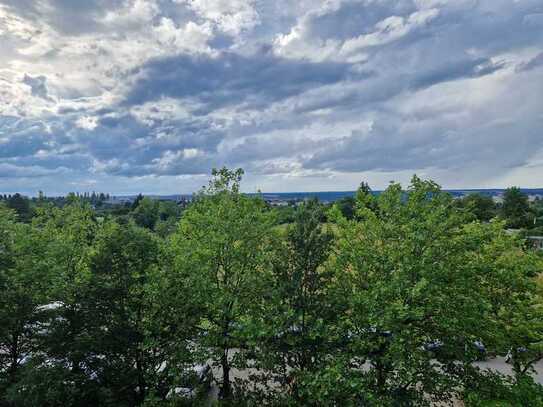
537,209
105,336
23,277
419,298
293,324
481,206
516,209
347,206
169,214
21,205
284,214
515,299
60,372
219,251
146,213
118,310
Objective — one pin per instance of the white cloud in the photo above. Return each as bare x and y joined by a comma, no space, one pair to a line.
192,37
133,12
87,122
229,16
390,29
301,42
158,91
16,26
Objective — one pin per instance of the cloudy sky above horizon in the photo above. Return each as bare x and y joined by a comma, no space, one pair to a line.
128,96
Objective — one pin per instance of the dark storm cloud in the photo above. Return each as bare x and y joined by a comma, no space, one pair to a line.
139,147
24,144
232,79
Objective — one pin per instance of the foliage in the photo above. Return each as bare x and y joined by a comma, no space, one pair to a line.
416,283
488,389
291,324
481,206
285,214
23,278
384,300
219,252
516,209
146,213
21,206
347,207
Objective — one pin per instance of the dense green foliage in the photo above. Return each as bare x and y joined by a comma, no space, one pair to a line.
380,300
480,206
516,209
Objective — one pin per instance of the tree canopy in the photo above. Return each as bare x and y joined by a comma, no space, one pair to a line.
389,299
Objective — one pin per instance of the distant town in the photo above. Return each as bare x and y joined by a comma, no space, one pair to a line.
285,198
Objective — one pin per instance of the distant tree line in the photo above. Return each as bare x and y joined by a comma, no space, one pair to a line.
388,303
25,207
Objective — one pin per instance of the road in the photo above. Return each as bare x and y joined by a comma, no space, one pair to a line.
498,365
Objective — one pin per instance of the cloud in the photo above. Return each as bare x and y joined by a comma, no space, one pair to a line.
13,171
229,16
148,95
453,127
231,79
390,29
37,85
534,63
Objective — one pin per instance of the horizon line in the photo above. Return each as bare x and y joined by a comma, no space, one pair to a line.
269,193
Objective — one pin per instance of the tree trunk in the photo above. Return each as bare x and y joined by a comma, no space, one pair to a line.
14,356
381,377
226,390
141,394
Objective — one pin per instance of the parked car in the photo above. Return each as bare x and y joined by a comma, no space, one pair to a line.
194,384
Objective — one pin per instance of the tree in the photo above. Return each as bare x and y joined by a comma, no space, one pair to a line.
285,214
347,206
169,214
516,209
219,251
481,206
98,327
419,303
365,199
21,206
515,299
146,213
61,372
292,326
118,312
137,201
23,277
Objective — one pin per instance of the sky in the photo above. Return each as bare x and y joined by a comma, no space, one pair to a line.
129,96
